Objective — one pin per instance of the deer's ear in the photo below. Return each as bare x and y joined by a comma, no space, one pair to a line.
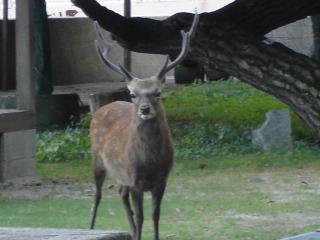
129,87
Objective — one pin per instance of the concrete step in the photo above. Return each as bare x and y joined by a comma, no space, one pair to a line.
60,234
307,236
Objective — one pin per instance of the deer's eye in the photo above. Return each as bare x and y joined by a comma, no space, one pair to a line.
132,95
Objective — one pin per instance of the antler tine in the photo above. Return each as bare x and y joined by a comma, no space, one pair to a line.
194,25
103,48
186,36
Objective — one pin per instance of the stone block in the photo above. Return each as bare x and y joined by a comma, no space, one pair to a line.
17,154
19,144
275,132
307,236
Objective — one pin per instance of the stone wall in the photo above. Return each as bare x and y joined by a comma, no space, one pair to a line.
17,154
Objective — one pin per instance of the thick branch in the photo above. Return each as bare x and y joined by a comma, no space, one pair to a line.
263,16
148,35
130,32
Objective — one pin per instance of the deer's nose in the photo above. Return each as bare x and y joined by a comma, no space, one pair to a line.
145,109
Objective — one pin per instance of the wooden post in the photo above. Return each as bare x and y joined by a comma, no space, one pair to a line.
25,55
4,47
126,53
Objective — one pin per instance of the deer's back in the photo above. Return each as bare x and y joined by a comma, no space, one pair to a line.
108,134
111,116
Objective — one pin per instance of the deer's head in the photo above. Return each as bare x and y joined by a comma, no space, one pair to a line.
145,93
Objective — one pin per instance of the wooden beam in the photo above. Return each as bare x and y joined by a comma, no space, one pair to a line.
25,55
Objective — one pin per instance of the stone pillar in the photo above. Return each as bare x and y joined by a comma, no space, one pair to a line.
275,133
25,55
17,147
17,155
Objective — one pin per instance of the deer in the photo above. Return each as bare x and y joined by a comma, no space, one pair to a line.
132,141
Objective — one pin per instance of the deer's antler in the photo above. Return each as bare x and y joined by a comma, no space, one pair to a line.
186,36
103,48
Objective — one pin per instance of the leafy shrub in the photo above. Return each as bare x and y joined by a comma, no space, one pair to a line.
85,120
60,146
200,138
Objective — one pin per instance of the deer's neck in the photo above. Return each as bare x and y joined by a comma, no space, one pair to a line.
150,131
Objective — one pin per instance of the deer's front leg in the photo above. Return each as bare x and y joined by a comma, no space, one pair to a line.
157,194
124,193
137,198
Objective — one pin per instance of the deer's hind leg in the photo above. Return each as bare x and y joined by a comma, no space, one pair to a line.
124,193
99,176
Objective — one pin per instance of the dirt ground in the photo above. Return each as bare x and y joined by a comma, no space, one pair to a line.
35,188
280,187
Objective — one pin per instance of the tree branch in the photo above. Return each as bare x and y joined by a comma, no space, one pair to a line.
264,16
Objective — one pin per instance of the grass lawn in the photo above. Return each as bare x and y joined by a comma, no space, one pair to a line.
220,187
254,196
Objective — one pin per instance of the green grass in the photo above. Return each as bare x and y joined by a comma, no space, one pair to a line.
220,188
77,170
249,196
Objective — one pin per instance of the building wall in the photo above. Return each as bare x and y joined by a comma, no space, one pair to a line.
297,36
74,58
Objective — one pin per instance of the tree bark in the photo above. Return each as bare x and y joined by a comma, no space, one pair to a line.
231,40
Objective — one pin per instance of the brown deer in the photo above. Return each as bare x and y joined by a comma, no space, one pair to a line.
132,141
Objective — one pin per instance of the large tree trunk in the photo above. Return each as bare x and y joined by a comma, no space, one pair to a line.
231,40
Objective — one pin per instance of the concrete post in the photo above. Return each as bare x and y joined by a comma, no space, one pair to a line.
17,148
25,55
